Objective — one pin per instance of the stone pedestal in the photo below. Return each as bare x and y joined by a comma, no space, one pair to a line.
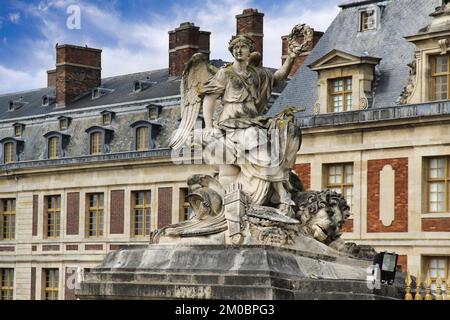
230,272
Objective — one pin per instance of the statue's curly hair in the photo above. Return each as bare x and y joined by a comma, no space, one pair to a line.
247,40
313,201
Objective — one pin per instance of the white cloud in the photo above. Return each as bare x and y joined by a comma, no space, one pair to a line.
14,17
142,44
14,80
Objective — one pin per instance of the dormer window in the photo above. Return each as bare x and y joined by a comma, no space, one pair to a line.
47,100
17,104
153,112
144,133
440,75
107,117
141,85
11,106
99,139
341,94
64,123
56,144
18,129
11,149
8,152
100,92
367,20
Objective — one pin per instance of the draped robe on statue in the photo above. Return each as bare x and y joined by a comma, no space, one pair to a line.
263,148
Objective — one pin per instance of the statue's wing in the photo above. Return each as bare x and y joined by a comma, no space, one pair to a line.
196,73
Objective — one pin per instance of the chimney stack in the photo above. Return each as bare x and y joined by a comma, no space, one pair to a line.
78,70
301,59
251,22
185,41
51,78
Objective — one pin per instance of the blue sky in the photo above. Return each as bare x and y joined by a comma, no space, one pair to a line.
133,34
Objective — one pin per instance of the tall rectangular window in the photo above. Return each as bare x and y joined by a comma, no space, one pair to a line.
440,77
141,213
51,284
367,20
341,94
96,145
339,177
95,216
53,148
7,219
142,138
437,267
153,113
6,284
8,152
52,216
438,184
17,130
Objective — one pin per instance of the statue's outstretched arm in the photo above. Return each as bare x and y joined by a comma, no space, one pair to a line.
295,49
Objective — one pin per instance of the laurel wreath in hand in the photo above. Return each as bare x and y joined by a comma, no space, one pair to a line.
300,30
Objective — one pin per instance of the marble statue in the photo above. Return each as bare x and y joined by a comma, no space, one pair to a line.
254,197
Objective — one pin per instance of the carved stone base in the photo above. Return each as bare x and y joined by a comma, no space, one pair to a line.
229,272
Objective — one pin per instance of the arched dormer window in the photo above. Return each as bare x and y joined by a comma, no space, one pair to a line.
99,139
56,144
11,149
144,133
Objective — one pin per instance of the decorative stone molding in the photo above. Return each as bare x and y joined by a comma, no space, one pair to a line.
443,44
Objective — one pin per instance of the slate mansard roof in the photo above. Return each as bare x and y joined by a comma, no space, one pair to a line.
399,18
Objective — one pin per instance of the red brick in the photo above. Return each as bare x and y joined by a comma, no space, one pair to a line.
436,224
252,22
348,226
117,212
402,262
164,206
304,173
400,223
73,213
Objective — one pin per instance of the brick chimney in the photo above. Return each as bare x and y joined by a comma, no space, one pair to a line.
251,22
301,59
78,70
51,78
185,41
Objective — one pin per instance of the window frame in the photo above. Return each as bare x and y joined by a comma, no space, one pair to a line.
95,143
142,139
362,19
145,219
99,213
445,180
57,217
343,184
53,290
53,147
9,288
8,152
11,222
434,75
343,93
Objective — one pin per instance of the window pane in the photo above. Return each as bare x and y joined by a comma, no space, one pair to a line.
440,88
441,64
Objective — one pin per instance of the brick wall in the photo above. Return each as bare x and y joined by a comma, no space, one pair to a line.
251,22
73,213
400,223
436,224
164,206
348,226
78,70
402,262
117,212
304,173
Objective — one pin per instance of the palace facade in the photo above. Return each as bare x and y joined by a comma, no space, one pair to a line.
85,167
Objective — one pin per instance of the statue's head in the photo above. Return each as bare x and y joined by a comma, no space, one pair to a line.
323,214
241,40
